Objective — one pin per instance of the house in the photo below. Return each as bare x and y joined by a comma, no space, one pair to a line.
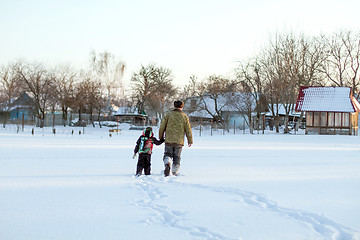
20,108
280,112
130,115
234,108
329,110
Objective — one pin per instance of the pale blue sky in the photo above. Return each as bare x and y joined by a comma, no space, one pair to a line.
201,37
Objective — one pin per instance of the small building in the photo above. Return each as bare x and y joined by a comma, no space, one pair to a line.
129,115
20,108
329,110
293,116
234,108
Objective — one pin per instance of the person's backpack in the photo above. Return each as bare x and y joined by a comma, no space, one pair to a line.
146,144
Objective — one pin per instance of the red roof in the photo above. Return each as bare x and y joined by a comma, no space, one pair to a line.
326,99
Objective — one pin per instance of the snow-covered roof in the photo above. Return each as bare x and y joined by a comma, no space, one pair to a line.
22,101
280,111
200,114
226,102
326,99
126,111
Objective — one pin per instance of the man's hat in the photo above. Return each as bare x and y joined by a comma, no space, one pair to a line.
178,104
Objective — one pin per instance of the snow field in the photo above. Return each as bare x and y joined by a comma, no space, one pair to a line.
230,187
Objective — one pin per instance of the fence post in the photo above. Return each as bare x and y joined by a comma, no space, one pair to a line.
263,122
200,127
117,122
53,123
234,126
23,122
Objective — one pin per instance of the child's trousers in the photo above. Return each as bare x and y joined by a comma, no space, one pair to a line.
144,162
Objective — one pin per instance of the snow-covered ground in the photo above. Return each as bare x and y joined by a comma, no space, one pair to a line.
272,186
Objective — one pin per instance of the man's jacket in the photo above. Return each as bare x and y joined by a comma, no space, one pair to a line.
176,125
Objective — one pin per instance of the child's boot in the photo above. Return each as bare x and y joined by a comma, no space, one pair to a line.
138,171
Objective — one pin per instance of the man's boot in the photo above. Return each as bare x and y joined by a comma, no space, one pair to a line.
167,170
175,169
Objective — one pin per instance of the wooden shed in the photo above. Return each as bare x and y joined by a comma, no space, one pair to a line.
329,110
130,115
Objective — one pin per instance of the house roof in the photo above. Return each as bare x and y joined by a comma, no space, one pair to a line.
226,102
281,111
128,111
21,102
200,114
326,99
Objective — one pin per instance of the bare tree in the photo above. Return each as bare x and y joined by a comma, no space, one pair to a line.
152,86
163,92
100,104
40,83
338,60
352,43
10,85
251,83
290,61
343,59
143,85
80,96
93,96
213,97
107,69
191,89
312,56
64,89
245,104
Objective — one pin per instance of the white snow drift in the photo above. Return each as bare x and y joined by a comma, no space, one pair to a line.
230,187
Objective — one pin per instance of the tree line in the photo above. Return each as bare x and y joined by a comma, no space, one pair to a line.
63,87
272,76
289,61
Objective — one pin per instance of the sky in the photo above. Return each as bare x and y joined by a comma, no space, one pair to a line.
190,37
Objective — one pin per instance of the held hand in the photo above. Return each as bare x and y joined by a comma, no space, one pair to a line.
189,145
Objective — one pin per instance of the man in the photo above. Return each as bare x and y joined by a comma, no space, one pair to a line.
175,125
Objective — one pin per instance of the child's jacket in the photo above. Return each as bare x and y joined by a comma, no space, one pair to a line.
144,144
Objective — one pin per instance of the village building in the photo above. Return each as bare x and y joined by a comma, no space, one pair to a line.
21,108
131,116
329,110
233,108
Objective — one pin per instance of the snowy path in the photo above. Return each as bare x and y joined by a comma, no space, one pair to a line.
168,217
151,186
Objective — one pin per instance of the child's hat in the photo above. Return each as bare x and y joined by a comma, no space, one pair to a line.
148,132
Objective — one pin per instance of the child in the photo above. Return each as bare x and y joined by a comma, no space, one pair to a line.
144,146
